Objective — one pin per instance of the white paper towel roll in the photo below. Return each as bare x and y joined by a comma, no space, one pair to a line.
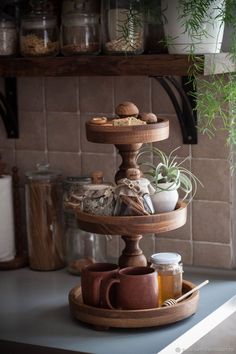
7,239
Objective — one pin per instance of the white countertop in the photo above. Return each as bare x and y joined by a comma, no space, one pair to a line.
34,310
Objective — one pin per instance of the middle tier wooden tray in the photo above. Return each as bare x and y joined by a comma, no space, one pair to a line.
133,225
102,318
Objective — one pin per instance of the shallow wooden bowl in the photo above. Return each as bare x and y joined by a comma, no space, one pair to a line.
109,134
132,225
100,317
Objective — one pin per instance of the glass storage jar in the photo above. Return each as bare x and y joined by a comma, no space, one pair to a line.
82,247
8,37
39,36
80,34
154,30
123,27
169,269
44,219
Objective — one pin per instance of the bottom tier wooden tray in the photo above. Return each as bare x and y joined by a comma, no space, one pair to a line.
102,318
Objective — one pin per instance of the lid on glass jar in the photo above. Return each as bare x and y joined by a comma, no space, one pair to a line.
82,6
166,258
77,180
79,19
43,173
38,22
6,21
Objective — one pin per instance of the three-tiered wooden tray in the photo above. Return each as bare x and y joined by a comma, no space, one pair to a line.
128,140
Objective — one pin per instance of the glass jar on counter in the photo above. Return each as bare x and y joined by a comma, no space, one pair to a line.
44,217
123,27
39,36
80,34
8,37
82,248
169,269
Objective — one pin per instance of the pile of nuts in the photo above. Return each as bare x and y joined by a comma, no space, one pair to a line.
32,45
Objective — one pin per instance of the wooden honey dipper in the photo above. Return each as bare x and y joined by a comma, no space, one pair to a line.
171,302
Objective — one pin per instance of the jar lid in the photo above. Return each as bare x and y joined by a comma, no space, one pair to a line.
79,19
97,187
38,22
43,173
77,180
7,22
166,258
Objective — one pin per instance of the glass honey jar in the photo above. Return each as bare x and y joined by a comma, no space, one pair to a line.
169,269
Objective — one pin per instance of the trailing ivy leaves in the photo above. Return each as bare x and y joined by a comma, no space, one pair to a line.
215,96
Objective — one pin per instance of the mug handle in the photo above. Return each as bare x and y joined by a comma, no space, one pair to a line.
107,288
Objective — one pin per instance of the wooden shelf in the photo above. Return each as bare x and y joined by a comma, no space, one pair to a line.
145,65
148,65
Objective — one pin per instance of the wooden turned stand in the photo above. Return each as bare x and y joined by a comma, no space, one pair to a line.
132,254
128,153
128,140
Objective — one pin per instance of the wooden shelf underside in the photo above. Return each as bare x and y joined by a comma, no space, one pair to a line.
144,65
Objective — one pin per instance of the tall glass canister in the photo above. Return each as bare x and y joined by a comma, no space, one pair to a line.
123,27
44,219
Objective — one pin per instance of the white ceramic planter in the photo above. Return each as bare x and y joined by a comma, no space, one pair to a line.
181,42
165,201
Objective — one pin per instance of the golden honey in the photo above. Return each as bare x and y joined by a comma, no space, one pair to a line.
169,271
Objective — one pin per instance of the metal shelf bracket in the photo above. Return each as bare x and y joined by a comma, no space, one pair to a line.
8,108
185,109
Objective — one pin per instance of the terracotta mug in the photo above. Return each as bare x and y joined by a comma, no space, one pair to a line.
93,277
135,288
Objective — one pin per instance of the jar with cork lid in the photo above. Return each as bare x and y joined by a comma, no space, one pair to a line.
133,195
98,197
169,269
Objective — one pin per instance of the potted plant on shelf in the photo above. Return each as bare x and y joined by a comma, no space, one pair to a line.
215,96
168,177
194,26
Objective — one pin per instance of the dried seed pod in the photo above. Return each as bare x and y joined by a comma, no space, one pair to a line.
127,109
148,117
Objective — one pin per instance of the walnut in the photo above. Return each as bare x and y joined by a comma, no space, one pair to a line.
127,109
148,117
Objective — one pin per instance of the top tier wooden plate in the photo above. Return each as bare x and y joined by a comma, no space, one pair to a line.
133,225
120,135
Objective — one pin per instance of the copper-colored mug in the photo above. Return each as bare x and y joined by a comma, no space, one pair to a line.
135,288
93,278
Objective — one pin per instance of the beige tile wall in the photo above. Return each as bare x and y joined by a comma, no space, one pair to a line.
52,114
